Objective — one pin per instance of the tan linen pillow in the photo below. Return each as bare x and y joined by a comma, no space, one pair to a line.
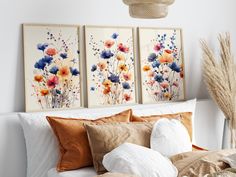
185,118
73,141
104,138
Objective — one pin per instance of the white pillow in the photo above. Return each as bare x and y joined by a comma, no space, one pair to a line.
170,137
169,108
138,160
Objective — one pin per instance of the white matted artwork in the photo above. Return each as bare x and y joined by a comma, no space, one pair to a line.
162,65
52,67
110,65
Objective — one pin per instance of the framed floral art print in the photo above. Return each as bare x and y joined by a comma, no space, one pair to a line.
110,65
162,65
52,67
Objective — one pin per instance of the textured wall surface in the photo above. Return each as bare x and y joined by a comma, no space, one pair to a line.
198,19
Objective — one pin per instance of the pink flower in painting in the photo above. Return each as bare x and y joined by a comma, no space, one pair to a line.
164,85
109,43
176,84
151,82
123,48
127,76
150,74
157,47
51,51
52,82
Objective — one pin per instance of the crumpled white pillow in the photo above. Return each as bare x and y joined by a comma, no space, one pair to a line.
138,160
170,137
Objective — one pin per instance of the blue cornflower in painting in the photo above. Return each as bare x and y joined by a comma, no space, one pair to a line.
40,64
92,88
156,64
106,54
47,59
42,46
54,70
159,78
126,85
114,35
174,67
74,71
63,55
152,57
94,68
113,78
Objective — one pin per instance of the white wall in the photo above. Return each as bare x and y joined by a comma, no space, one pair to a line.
197,18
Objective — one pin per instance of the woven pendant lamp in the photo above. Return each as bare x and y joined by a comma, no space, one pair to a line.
148,8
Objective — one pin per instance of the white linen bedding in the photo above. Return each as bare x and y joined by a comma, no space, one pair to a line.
83,172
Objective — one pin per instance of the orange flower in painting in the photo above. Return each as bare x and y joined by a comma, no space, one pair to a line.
64,71
181,74
166,58
164,85
123,67
38,78
102,65
127,97
168,51
106,83
107,90
44,92
120,57
127,76
146,68
167,95
51,51
109,43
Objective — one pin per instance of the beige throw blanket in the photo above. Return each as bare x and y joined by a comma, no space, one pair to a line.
201,163
197,164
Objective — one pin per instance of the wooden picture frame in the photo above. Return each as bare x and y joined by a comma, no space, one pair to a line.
52,67
161,64
110,65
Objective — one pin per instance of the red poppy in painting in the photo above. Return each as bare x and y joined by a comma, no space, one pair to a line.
123,48
52,81
51,51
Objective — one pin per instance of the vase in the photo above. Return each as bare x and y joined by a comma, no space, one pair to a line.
226,135
148,8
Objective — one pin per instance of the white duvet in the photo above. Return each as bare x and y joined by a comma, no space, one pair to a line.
83,172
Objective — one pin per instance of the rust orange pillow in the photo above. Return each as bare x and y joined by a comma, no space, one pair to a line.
185,118
73,141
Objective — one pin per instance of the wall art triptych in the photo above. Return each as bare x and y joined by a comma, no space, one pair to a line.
52,66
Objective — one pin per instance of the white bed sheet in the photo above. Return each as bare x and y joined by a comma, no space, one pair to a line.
83,172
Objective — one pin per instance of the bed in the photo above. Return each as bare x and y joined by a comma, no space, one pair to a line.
208,120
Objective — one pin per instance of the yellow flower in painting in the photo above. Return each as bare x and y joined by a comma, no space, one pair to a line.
44,92
146,68
167,95
38,78
106,83
166,58
123,67
120,57
102,65
64,71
